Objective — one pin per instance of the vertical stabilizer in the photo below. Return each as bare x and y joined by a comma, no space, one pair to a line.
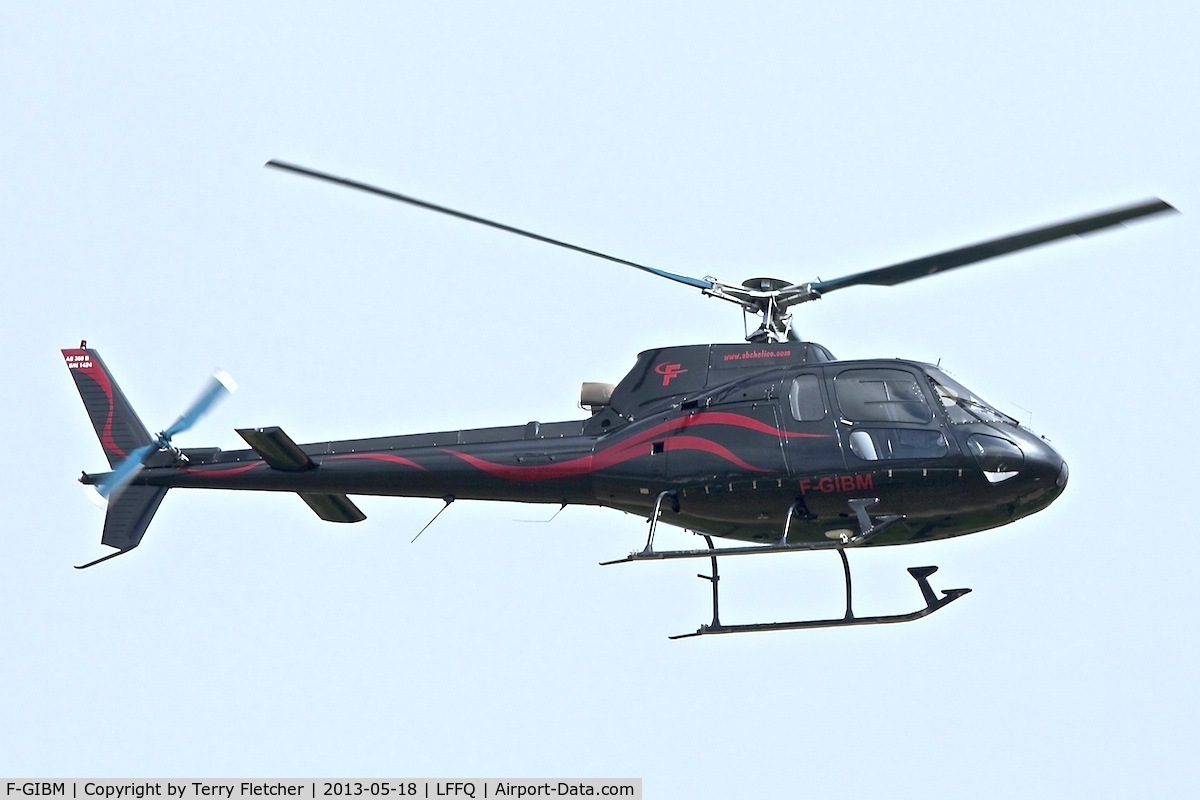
121,434
127,519
129,516
116,423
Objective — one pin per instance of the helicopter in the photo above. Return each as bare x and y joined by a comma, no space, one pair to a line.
772,444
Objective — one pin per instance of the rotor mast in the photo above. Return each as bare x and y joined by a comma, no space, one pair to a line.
770,299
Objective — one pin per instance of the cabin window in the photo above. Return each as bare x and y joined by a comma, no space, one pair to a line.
888,444
863,446
805,398
881,395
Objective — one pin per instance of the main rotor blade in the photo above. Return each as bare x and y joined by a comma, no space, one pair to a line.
219,385
366,187
951,259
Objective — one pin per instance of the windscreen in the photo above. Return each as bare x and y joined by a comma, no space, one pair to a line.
961,404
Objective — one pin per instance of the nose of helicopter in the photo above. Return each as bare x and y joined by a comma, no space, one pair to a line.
1021,465
1044,473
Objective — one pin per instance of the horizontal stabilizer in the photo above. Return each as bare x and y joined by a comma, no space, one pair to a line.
333,507
278,450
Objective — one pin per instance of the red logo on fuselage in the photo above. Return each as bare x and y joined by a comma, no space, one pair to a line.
669,371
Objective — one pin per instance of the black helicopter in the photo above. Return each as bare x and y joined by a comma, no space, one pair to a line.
772,443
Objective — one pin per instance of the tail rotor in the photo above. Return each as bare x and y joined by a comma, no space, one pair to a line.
219,385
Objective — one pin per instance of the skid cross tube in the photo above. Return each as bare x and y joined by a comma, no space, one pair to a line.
869,529
674,500
713,579
787,523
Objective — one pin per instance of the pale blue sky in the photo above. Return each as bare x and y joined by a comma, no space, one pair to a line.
248,638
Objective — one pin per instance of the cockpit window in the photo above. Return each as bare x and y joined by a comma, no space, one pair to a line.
961,404
881,395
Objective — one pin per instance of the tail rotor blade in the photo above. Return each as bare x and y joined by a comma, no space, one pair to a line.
218,386
124,472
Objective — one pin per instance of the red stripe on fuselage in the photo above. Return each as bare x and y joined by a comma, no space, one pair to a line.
407,462
704,445
535,472
221,473
737,420
629,449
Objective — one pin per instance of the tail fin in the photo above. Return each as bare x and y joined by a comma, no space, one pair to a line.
129,516
116,423
127,519
120,433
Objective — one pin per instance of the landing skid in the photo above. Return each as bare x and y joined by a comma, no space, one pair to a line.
921,574
869,528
